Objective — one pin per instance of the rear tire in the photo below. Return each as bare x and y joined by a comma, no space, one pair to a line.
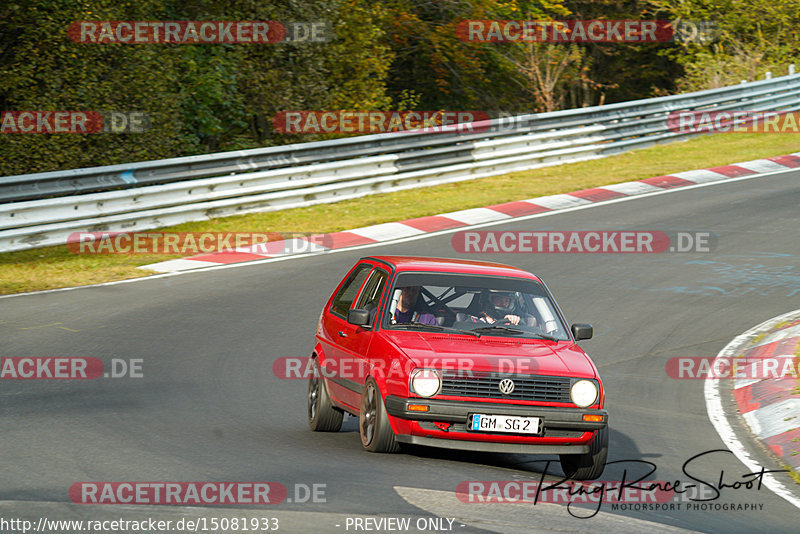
588,466
322,416
373,422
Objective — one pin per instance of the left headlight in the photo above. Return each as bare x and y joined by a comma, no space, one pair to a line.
583,393
425,382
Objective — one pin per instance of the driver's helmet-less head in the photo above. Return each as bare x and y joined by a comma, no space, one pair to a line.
500,303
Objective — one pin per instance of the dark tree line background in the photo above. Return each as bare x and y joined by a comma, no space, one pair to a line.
385,54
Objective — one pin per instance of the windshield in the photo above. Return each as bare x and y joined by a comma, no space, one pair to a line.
482,304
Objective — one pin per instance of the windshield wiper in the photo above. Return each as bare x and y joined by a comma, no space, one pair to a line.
514,332
438,328
498,328
547,337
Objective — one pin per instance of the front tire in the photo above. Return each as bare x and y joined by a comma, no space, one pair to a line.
588,466
322,415
373,422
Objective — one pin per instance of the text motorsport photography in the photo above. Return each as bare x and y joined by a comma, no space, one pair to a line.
635,491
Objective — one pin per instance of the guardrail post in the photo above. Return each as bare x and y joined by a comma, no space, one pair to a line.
791,69
768,75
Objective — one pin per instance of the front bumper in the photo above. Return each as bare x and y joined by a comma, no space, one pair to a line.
490,446
450,411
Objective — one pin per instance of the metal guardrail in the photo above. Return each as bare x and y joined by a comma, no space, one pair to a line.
45,208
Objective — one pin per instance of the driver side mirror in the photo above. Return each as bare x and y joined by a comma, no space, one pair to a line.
582,331
358,317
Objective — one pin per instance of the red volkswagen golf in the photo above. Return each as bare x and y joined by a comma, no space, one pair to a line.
457,354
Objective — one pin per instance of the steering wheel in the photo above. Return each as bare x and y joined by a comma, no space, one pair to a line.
504,320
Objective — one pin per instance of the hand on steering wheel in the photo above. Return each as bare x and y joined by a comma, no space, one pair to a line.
509,319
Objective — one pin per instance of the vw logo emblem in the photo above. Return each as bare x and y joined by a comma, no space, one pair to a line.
506,386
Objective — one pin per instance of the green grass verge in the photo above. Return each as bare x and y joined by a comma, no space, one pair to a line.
54,267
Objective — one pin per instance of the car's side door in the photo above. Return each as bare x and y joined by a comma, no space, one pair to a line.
359,338
354,340
343,340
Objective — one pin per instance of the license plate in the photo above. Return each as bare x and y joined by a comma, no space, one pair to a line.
504,423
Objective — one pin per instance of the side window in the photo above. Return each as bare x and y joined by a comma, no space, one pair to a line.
344,298
371,294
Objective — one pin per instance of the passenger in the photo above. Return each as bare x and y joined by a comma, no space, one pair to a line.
406,311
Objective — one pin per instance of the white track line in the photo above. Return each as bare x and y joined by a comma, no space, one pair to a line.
717,415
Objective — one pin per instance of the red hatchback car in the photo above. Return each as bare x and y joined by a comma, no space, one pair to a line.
457,354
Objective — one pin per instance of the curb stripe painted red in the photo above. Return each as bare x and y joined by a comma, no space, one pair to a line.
786,446
768,406
732,171
598,194
520,208
667,182
790,160
433,223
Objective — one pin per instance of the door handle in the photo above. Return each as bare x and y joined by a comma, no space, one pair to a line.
342,334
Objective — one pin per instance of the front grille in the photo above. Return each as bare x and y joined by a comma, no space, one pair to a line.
486,385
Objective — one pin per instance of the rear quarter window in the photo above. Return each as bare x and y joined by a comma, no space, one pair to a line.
347,293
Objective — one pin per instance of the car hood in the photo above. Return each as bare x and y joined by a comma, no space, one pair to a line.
493,354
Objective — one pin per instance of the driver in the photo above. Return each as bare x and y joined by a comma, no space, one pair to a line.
498,306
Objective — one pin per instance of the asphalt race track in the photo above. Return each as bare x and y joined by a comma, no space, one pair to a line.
209,408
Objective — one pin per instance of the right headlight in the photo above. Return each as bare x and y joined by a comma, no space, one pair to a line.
425,382
583,393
